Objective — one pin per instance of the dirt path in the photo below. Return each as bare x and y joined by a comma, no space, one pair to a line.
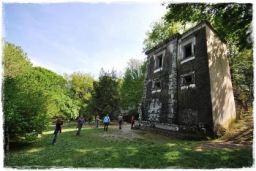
220,145
126,133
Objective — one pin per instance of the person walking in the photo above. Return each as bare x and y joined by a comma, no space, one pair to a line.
59,122
120,120
106,121
97,121
132,121
80,123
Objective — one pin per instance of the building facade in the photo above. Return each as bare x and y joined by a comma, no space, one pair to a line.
188,84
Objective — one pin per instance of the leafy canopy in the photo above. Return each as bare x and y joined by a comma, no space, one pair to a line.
232,21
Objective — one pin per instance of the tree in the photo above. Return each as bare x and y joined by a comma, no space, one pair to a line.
56,90
132,84
80,86
30,96
30,101
242,68
105,96
162,30
15,61
221,16
25,107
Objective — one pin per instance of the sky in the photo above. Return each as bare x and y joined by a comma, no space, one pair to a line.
84,36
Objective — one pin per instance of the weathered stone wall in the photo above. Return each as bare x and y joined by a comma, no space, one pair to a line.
167,76
194,102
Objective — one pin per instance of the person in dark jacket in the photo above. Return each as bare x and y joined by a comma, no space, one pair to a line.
80,123
57,130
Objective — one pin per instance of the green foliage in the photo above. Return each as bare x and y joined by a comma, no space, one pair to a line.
80,84
160,31
132,84
55,88
242,68
80,87
23,100
15,61
105,97
31,95
24,106
221,16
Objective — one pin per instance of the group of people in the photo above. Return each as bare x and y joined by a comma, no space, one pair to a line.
81,121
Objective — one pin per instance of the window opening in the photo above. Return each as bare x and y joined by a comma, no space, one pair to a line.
157,85
187,79
159,62
188,50
160,59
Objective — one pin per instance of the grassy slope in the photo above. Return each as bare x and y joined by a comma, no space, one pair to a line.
242,130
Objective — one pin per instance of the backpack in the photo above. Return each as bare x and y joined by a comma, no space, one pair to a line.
80,121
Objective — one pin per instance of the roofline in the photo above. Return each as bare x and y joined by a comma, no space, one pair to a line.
177,35
180,35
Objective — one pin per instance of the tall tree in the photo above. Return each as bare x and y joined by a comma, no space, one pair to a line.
56,90
25,106
80,85
132,84
24,101
15,61
105,97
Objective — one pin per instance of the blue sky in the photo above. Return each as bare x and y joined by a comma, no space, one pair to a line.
68,37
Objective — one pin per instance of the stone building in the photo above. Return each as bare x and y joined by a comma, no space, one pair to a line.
188,84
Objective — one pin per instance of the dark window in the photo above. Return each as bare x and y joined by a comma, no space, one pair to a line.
157,85
188,50
187,79
159,61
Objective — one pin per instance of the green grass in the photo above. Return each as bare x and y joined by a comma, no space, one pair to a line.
92,150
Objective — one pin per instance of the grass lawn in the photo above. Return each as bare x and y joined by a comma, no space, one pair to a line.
92,150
